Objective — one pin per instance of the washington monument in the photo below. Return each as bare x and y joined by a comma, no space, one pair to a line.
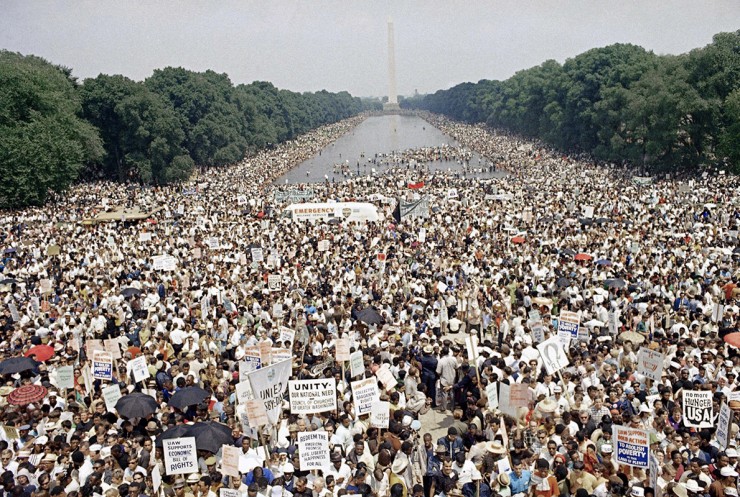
392,104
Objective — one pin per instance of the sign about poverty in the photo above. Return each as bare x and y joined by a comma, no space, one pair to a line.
313,450
553,355
697,408
269,385
569,322
180,456
723,425
650,363
312,396
102,365
632,446
365,393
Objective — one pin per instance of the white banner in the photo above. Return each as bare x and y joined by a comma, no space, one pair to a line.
312,396
269,384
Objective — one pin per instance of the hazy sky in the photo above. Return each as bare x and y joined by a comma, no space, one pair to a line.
309,45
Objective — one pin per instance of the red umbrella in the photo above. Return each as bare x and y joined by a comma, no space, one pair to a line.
151,221
733,339
517,239
134,351
42,352
27,394
583,257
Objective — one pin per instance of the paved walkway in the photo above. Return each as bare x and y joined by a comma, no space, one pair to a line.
435,423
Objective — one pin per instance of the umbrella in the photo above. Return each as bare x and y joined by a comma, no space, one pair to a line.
7,281
595,322
582,257
10,250
134,351
176,431
517,239
130,291
604,262
136,405
568,251
586,221
632,336
369,316
42,352
615,283
17,365
733,339
27,394
210,436
542,301
188,396
562,282
602,220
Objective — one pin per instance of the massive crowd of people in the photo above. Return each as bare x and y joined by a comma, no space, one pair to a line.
646,265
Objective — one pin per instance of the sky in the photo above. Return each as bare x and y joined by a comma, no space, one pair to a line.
341,45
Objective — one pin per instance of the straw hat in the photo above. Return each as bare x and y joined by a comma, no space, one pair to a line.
496,447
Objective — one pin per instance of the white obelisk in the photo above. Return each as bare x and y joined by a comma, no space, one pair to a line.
392,94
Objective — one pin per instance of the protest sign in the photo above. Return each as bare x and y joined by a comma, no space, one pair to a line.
228,492
230,460
504,400
386,378
569,322
102,365
471,346
274,282
112,346
613,323
14,314
265,348
519,395
632,446
139,368
723,425
313,450
698,411
538,332
145,237
312,396
250,362
156,478
256,413
380,415
180,456
323,245
269,384
11,432
244,392
287,335
111,394
257,254
278,354
65,377
650,363
356,363
341,350
492,394
365,393
213,243
553,356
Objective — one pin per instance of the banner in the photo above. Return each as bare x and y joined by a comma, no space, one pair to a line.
269,384
632,446
553,355
294,195
102,365
723,425
313,450
312,396
698,411
380,416
416,186
569,322
180,456
650,363
356,363
364,394
408,210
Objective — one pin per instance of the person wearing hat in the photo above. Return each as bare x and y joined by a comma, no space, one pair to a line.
727,480
429,373
501,484
338,469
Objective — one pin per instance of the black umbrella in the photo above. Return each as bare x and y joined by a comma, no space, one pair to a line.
369,316
586,221
568,252
602,220
17,365
210,436
10,250
736,250
188,396
176,431
128,292
562,282
136,405
615,283
7,281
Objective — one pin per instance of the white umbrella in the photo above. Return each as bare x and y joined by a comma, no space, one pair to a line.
595,322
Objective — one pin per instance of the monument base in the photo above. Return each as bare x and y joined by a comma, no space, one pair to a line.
391,108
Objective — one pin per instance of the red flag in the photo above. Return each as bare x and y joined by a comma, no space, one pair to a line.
416,186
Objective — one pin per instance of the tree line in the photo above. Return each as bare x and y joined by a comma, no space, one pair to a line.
55,129
620,103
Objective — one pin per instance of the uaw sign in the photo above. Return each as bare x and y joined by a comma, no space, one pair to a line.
632,446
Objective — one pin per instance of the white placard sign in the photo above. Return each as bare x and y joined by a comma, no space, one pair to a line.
65,377
313,450
723,425
341,349
380,415
312,396
650,363
111,394
698,410
180,456
230,460
365,393
553,355
492,394
274,282
139,368
257,255
356,363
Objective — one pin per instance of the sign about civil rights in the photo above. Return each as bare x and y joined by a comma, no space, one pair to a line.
180,456
632,446
365,393
312,396
313,450
698,410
